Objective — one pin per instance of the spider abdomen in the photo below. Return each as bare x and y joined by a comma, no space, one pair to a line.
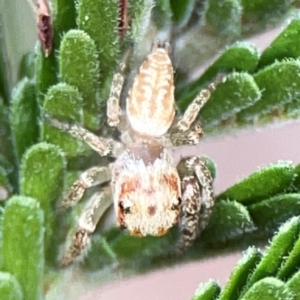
150,102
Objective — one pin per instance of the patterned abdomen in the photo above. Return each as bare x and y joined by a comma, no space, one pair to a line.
150,102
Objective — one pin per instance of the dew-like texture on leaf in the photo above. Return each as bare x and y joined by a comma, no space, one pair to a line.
100,19
207,291
229,220
281,245
79,66
42,177
262,184
240,274
283,46
24,117
45,72
181,10
229,25
238,92
9,287
294,286
64,103
279,84
268,214
240,57
23,244
268,289
292,262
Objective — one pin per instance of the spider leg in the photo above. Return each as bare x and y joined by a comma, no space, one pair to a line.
186,130
88,220
113,103
89,178
189,137
197,202
101,145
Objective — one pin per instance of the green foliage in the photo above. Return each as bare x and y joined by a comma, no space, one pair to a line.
65,103
104,33
23,244
268,275
230,23
72,85
262,184
24,117
181,11
9,287
45,186
208,291
79,66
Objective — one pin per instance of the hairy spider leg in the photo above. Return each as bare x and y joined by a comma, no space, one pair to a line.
93,211
197,198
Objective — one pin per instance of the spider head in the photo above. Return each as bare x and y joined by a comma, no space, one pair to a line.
147,196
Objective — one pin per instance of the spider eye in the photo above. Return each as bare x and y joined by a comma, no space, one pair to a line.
179,201
125,210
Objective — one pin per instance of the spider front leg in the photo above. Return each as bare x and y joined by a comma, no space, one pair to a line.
88,220
197,202
113,103
89,178
101,145
186,130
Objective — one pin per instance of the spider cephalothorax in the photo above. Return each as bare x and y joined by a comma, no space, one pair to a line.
148,194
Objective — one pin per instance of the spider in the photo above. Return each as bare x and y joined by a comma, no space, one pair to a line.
148,191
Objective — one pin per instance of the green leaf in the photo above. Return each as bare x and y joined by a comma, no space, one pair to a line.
26,68
268,214
64,19
45,72
162,13
24,117
240,274
279,83
293,285
229,25
207,291
99,19
238,92
229,220
257,13
268,289
181,11
23,249
9,287
63,102
42,177
262,184
139,12
240,57
79,66
281,245
292,262
4,75
283,46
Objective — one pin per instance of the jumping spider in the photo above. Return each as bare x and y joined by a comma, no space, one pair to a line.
148,194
